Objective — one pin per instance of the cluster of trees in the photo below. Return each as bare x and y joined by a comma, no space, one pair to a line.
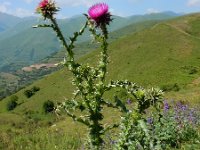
48,106
31,92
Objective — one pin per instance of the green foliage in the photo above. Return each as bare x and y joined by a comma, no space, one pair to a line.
31,92
12,103
133,133
179,124
169,128
48,106
28,93
35,89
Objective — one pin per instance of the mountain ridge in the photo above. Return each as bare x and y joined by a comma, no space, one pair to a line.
20,43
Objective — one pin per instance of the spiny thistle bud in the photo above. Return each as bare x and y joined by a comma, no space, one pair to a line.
47,8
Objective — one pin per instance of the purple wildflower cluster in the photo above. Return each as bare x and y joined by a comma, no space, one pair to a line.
176,123
184,114
181,113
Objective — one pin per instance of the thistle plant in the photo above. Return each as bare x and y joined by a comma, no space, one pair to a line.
90,81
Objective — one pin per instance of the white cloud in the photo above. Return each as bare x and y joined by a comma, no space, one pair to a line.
23,12
4,6
117,13
28,1
152,10
74,3
193,3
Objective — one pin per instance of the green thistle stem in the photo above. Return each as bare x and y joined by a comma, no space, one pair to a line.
62,39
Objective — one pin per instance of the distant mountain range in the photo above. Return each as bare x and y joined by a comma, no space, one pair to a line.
22,45
7,21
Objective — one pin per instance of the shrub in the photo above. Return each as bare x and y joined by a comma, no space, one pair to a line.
28,93
12,103
35,89
48,106
31,92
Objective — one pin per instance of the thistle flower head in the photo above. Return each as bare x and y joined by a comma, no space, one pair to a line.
43,3
47,8
99,14
98,10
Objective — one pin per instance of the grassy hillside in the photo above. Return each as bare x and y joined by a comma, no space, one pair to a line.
166,55
163,55
88,46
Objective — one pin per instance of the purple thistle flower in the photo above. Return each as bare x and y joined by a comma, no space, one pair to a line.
150,120
99,14
129,101
98,10
166,106
43,4
184,107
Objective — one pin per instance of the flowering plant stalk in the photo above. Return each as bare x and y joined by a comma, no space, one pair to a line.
90,81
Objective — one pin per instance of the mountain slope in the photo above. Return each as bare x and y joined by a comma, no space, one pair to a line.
36,53
161,55
22,45
7,21
154,16
86,47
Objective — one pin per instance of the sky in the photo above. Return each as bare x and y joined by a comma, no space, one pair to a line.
69,8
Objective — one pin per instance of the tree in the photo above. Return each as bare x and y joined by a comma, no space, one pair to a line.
12,103
48,106
28,93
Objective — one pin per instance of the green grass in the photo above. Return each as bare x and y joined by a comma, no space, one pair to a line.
41,138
